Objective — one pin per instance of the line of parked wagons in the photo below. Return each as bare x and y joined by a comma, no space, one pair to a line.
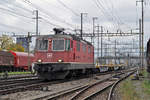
15,61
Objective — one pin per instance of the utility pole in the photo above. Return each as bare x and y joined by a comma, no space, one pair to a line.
115,50
82,24
101,41
92,40
37,14
29,40
115,47
140,43
106,53
37,21
98,39
133,45
142,31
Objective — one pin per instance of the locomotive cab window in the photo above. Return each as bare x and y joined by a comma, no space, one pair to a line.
78,46
58,45
42,44
67,46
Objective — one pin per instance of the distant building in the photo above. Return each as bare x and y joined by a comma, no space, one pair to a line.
22,41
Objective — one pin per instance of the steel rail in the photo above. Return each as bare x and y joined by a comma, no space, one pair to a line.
64,92
116,83
76,90
17,77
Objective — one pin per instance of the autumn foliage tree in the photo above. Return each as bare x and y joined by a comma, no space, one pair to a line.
6,43
16,47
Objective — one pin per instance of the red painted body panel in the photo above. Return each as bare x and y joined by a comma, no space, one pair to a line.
67,56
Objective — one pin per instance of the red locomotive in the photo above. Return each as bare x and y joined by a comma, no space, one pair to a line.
60,55
13,61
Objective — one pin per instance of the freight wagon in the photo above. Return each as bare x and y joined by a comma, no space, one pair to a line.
14,61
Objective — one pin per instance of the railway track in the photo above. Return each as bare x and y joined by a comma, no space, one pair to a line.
12,86
19,83
22,85
87,91
25,85
110,96
17,77
10,82
93,95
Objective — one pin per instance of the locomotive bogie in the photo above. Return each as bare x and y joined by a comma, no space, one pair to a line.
51,71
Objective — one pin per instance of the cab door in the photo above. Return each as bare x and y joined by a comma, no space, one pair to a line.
69,49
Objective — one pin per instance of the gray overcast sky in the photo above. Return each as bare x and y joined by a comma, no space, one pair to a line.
17,15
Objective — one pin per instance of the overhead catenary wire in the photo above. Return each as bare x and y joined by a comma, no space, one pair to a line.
48,13
12,11
111,17
111,11
75,13
102,11
107,11
16,5
51,23
15,13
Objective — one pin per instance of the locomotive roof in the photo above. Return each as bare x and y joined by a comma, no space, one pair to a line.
74,37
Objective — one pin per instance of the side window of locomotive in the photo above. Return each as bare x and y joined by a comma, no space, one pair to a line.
67,45
42,44
84,48
58,45
89,49
78,46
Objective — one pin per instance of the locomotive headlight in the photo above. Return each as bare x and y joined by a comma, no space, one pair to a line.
39,60
60,60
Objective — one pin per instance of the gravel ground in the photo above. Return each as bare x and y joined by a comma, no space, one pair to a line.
94,89
117,93
102,96
52,88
